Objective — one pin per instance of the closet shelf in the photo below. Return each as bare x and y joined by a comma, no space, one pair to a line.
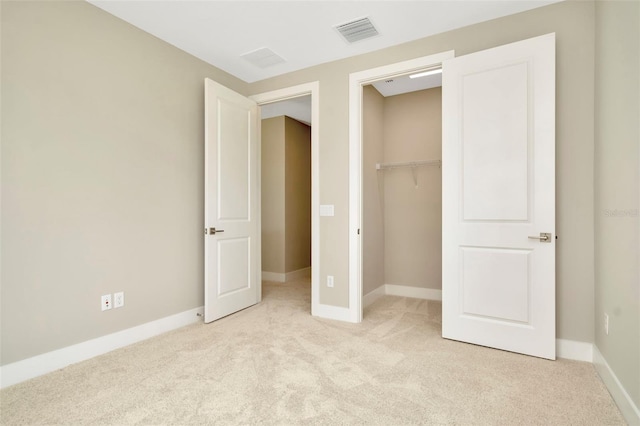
384,166
411,164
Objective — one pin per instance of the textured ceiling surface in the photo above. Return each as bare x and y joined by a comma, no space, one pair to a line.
301,33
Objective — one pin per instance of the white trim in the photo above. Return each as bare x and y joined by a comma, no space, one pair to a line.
38,365
401,291
372,296
312,89
356,81
332,312
286,277
628,408
286,93
414,292
259,236
273,276
572,349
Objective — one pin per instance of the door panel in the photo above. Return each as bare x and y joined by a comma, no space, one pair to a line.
495,144
498,190
234,257
234,147
232,263
495,283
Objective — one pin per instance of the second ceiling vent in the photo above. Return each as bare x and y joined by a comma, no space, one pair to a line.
357,30
263,57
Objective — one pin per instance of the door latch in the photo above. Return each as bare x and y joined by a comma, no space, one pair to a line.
545,237
212,231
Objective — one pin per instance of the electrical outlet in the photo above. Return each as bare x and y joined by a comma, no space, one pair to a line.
118,299
105,301
606,324
329,280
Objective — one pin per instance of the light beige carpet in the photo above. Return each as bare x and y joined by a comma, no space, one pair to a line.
275,364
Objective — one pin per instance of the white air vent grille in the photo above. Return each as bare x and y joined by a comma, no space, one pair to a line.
357,30
263,57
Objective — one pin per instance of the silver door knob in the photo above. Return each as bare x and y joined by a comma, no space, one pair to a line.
545,237
212,231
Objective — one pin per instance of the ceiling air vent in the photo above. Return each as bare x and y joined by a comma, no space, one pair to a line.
263,57
357,30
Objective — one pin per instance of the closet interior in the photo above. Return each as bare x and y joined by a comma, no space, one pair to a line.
402,193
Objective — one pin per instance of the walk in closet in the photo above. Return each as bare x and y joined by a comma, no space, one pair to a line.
402,193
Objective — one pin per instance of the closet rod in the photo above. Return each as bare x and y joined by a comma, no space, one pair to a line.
382,166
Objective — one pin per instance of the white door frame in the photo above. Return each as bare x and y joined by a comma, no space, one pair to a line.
356,82
305,89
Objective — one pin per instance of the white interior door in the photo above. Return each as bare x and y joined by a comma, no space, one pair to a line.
232,243
498,197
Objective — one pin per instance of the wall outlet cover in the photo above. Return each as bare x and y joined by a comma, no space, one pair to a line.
105,302
118,299
330,281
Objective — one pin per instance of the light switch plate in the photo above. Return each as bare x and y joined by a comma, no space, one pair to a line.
326,210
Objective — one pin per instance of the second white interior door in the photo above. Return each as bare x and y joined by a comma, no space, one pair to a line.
499,197
232,211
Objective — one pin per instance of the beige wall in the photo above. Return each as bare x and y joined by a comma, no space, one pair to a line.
273,195
102,175
372,190
286,195
297,195
102,129
573,23
413,215
402,232
617,188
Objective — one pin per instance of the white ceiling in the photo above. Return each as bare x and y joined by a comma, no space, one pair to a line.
302,32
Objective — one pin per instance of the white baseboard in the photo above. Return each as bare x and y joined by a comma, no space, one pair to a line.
403,291
415,292
572,349
38,365
286,277
627,407
372,296
333,313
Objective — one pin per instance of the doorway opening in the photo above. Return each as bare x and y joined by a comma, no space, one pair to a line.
402,187
286,191
358,83
296,109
